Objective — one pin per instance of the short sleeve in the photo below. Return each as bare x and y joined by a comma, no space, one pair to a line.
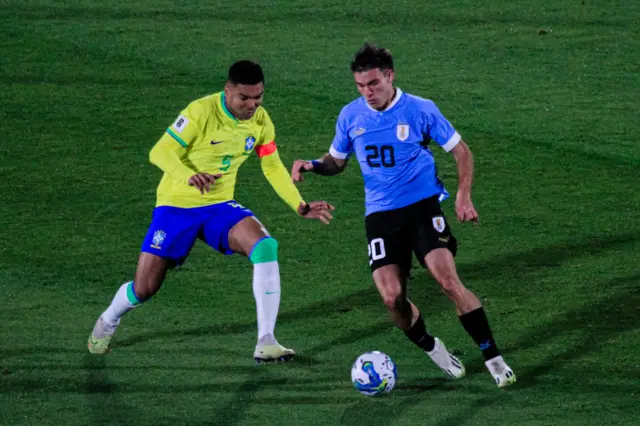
342,146
185,129
437,127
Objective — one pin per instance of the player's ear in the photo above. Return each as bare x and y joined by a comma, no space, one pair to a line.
391,76
226,89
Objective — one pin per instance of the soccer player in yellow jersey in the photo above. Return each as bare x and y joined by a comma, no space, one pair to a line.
200,154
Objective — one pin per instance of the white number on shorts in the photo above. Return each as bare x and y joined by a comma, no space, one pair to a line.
376,250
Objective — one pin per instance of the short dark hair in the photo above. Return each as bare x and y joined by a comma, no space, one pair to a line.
371,57
245,72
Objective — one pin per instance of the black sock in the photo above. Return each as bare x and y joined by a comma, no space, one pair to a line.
418,335
477,325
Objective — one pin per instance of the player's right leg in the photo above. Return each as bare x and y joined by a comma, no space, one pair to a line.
169,239
390,258
391,283
148,280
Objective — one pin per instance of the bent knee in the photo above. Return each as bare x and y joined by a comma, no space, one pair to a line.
393,302
451,285
144,289
265,250
395,299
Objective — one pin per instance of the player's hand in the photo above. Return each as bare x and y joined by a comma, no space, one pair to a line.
203,181
465,210
316,210
299,167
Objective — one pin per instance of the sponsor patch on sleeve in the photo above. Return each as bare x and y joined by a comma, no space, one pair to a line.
180,123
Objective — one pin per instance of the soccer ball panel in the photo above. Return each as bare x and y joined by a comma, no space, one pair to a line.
373,373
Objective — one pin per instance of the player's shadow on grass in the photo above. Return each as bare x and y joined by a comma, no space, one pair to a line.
596,322
320,309
373,410
523,264
101,393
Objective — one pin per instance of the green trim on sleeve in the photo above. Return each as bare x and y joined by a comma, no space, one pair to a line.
176,137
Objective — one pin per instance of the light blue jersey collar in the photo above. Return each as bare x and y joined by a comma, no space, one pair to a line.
391,105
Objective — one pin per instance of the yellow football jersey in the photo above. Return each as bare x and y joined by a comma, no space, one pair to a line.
208,138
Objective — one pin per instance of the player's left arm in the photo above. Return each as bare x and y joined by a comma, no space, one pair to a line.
439,129
280,179
464,162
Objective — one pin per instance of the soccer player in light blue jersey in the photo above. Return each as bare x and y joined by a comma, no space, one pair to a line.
390,133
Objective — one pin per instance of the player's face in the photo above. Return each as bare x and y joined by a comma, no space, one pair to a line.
376,86
243,100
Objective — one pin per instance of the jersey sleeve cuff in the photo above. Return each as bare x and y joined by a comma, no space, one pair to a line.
337,154
452,142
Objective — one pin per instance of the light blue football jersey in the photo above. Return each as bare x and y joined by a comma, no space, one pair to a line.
391,147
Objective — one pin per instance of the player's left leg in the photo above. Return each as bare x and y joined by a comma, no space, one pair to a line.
250,238
471,313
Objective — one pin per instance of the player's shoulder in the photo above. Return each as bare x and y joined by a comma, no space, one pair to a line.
424,104
203,107
261,117
353,108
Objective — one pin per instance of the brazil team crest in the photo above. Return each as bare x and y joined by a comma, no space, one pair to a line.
402,132
249,143
158,239
438,223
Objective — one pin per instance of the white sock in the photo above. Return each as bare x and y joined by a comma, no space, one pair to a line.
266,290
124,301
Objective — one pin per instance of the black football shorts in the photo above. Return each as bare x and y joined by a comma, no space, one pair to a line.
419,228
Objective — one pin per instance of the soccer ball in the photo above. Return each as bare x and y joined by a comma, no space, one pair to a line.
373,373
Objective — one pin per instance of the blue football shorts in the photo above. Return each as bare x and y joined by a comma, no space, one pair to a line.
174,230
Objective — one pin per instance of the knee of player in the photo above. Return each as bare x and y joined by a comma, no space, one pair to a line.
264,250
451,284
143,290
394,300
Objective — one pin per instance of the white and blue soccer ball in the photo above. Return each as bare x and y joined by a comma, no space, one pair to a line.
374,373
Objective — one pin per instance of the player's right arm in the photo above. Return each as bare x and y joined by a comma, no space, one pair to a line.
333,162
327,165
168,151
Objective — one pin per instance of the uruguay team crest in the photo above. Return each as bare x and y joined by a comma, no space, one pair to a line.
438,223
249,142
402,132
158,239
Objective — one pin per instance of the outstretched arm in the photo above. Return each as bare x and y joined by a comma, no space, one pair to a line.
327,165
280,180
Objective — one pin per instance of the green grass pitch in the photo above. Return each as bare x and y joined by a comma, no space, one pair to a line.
544,92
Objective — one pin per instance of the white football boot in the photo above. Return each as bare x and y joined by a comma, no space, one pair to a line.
501,372
449,364
269,350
